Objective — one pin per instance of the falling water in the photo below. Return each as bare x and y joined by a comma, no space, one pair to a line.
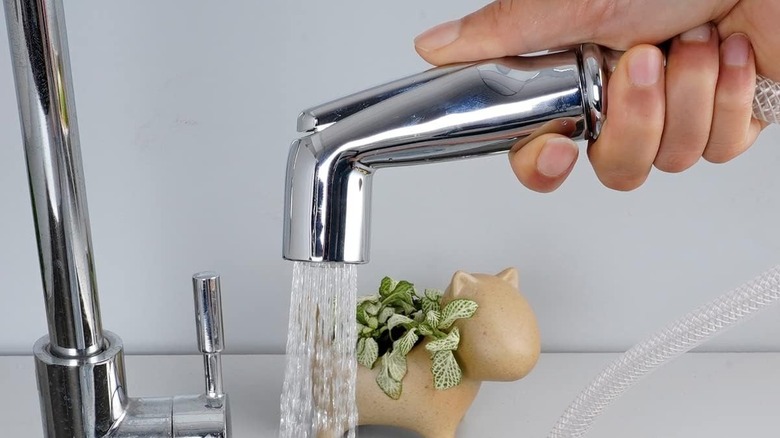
318,396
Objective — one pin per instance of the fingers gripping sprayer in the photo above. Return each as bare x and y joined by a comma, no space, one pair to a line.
470,110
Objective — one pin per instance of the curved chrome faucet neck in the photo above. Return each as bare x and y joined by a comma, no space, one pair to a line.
449,113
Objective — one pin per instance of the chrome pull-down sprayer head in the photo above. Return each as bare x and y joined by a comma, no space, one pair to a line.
446,113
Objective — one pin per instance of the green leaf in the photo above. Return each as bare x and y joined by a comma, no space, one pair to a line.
431,300
363,298
361,315
386,286
386,313
373,309
362,307
405,289
407,308
367,352
389,386
396,365
445,369
397,320
448,343
402,294
425,329
430,305
432,318
360,350
455,310
433,294
404,345
398,304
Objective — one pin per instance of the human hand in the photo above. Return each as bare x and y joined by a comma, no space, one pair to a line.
700,105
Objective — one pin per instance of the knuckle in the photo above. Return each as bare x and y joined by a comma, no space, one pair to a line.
735,92
504,6
675,162
539,185
621,181
735,101
603,10
681,152
499,14
503,17
721,154
722,151
623,185
495,17
547,188
594,14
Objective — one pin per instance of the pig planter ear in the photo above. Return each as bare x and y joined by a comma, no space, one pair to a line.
480,329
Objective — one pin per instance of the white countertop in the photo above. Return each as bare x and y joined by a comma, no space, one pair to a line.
713,395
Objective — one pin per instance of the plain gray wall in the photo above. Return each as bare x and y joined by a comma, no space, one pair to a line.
186,104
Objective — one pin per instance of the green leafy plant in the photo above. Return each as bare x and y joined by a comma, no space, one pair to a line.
392,322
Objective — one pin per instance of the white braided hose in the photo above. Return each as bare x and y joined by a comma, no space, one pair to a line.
684,334
766,103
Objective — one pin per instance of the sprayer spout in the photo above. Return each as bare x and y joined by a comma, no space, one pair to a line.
450,113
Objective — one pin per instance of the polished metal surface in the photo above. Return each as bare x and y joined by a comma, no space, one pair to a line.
459,112
598,64
39,48
82,397
208,312
320,117
208,322
201,417
79,367
87,397
146,418
193,416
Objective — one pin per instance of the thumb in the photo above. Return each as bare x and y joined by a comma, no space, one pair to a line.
505,27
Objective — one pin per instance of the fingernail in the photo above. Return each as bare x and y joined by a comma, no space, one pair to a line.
438,36
644,67
736,50
699,34
557,156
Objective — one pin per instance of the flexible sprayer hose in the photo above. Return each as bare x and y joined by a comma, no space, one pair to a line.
684,334
766,103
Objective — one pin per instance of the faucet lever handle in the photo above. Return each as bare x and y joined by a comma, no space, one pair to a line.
208,322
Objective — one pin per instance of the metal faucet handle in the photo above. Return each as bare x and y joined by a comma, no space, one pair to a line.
208,322
205,415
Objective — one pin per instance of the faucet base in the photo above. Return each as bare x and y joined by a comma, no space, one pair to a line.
87,397
201,416
146,417
81,397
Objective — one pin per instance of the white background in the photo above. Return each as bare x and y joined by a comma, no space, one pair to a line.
187,108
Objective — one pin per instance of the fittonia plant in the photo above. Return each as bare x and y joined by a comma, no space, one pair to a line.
396,319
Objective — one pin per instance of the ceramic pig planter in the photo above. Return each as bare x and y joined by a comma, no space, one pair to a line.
498,342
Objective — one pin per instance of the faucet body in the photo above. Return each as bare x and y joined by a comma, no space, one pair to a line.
79,366
447,113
